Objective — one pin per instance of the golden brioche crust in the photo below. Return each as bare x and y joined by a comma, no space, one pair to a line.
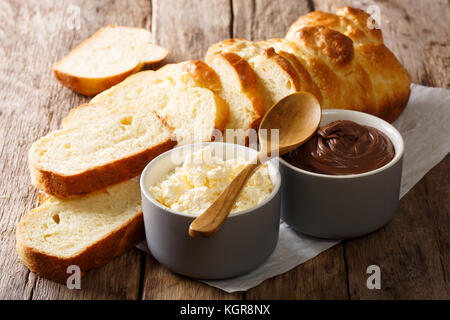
350,64
223,46
257,55
192,73
203,74
306,83
98,178
348,21
92,86
249,84
270,53
359,19
331,45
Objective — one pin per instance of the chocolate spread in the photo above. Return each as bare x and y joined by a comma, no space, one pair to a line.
343,147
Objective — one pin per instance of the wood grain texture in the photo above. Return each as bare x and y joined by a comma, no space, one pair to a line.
162,284
265,19
119,279
323,277
413,249
33,36
188,28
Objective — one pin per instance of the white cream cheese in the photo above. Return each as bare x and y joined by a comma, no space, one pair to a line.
193,186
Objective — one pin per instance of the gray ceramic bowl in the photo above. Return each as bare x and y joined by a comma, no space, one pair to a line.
245,240
343,206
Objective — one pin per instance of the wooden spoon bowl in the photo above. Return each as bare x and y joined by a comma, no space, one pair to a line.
295,118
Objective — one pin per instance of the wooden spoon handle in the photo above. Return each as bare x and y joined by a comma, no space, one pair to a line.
212,219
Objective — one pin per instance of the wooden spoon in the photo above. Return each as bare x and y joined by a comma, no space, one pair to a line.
297,117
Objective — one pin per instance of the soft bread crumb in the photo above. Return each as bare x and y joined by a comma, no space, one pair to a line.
108,57
98,138
64,228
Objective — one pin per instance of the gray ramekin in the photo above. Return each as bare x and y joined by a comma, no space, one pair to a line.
245,240
343,206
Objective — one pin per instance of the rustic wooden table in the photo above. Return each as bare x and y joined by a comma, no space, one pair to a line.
412,250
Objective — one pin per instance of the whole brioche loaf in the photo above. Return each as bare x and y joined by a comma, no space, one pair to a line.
336,57
87,232
350,64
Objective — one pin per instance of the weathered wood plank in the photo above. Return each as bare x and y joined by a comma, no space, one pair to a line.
188,28
119,279
265,19
162,284
412,250
323,277
33,35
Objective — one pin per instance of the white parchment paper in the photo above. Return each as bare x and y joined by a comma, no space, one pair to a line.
425,127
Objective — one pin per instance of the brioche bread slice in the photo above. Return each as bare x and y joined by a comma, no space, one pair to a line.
181,93
287,50
87,231
191,73
187,74
106,58
241,90
277,77
195,114
106,147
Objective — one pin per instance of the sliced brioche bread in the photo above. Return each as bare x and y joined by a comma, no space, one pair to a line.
187,74
106,58
277,77
288,49
191,73
182,93
104,147
87,231
240,89
195,114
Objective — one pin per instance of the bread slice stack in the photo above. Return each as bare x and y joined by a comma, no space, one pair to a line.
275,75
102,148
179,93
240,89
87,232
92,212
